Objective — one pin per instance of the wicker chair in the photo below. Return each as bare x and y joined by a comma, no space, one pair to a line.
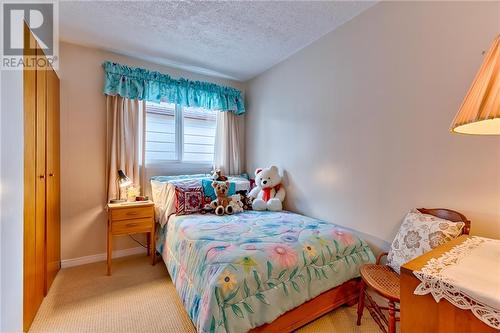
385,281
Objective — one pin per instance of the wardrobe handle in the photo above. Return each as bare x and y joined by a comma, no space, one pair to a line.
41,176
51,174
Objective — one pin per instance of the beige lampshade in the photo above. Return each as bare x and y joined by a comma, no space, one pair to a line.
480,110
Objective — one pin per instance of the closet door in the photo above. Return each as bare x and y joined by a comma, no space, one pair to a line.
41,180
31,299
40,165
53,180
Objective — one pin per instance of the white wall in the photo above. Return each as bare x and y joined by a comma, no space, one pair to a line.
11,201
359,119
83,139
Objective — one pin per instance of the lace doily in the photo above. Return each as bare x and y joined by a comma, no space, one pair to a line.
441,285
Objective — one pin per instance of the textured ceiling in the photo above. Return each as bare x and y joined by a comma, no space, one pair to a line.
237,40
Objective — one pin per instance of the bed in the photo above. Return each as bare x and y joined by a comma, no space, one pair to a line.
235,273
260,271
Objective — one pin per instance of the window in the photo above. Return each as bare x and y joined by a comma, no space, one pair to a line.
176,134
198,135
160,132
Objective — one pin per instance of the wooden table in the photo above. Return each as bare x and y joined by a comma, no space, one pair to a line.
422,313
131,218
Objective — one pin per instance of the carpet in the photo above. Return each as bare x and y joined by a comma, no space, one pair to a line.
139,297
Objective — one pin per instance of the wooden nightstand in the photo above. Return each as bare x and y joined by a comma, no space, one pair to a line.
131,218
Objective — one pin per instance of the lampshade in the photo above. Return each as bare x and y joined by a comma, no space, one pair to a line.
480,110
123,180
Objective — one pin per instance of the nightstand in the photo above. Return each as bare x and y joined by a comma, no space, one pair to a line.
131,218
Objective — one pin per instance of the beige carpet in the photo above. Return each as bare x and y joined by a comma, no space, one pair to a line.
140,298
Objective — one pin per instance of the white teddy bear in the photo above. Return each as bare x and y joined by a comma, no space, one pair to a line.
268,192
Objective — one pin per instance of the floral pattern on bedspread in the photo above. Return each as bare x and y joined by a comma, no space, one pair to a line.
237,272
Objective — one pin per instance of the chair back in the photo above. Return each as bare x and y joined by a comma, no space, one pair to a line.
450,215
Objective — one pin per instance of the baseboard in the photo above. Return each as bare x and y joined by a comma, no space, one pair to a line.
101,257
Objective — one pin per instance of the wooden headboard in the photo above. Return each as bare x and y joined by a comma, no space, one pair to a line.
449,215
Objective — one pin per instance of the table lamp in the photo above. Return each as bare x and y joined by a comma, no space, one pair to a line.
122,181
480,110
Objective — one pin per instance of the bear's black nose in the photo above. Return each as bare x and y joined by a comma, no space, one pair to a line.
264,182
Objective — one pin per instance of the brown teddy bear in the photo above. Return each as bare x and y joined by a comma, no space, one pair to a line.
223,203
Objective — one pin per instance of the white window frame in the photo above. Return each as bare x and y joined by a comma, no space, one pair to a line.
178,165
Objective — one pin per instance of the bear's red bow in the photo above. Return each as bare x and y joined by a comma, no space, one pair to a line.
267,192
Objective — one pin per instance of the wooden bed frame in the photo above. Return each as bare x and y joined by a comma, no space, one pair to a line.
347,293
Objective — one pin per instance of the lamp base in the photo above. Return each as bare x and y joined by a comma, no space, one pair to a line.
116,201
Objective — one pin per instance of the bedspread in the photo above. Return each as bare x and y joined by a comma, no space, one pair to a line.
234,273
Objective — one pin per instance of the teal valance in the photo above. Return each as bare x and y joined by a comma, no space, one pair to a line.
142,84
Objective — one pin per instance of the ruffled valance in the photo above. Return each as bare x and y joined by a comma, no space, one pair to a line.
142,84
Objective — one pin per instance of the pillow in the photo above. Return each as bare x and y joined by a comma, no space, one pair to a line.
243,175
419,234
209,191
188,200
236,183
186,182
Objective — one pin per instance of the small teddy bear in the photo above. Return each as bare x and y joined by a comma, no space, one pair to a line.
245,200
237,203
218,176
223,203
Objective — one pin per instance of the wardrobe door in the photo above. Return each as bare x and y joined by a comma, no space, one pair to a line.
31,299
53,180
40,161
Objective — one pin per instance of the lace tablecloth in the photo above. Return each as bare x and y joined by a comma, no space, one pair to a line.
468,276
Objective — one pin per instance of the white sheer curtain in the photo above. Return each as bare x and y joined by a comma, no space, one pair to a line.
227,155
123,141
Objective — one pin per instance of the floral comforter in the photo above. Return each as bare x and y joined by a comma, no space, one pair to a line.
234,273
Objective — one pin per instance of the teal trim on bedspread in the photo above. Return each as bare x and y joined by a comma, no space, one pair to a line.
234,273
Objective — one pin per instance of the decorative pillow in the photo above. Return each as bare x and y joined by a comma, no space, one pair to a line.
188,200
419,234
209,190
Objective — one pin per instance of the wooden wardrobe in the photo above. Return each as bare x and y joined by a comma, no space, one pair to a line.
42,255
